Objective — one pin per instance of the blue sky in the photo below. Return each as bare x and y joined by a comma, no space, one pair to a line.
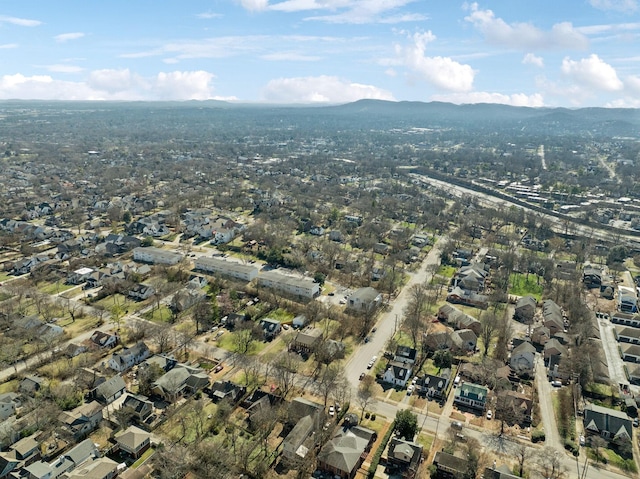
536,53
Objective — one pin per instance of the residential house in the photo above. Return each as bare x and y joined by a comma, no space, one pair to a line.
8,404
552,316
105,340
100,468
345,452
450,466
187,297
459,320
405,354
517,407
228,269
592,276
182,380
226,390
8,463
626,319
298,287
27,449
397,373
631,353
110,390
156,256
364,300
79,276
67,462
612,425
434,386
522,359
270,328
525,309
306,417
502,472
472,277
540,335
162,361
72,350
30,385
439,340
133,441
628,334
471,395
627,300
138,405
140,292
129,357
553,347
405,455
634,375
82,420
460,296
306,340
465,340
299,322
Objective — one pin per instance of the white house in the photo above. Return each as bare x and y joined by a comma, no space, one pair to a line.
129,357
364,299
397,373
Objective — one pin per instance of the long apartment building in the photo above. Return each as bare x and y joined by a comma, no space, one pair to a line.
156,256
230,269
292,285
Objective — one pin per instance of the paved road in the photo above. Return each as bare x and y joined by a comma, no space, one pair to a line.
552,437
389,321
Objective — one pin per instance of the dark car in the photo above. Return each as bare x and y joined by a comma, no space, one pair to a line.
362,375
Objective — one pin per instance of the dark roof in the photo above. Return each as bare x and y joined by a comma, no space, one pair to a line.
450,461
110,387
599,418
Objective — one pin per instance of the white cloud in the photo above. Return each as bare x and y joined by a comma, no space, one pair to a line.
531,59
517,99
610,27
352,11
22,22
618,5
320,89
8,46
254,5
65,37
64,68
524,36
593,73
627,102
195,85
443,73
219,47
112,85
208,15
290,57
632,84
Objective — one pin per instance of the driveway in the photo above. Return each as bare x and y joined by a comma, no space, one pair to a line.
552,437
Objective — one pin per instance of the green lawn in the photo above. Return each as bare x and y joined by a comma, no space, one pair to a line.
4,276
523,286
55,288
141,460
446,271
162,315
282,315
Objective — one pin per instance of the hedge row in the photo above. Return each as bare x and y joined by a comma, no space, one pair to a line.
376,457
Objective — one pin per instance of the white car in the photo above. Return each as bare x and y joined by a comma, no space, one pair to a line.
489,414
415,380
410,390
332,411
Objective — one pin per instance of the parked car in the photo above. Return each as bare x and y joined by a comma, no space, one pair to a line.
218,368
556,383
456,425
636,422
332,411
410,390
362,375
582,440
489,414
